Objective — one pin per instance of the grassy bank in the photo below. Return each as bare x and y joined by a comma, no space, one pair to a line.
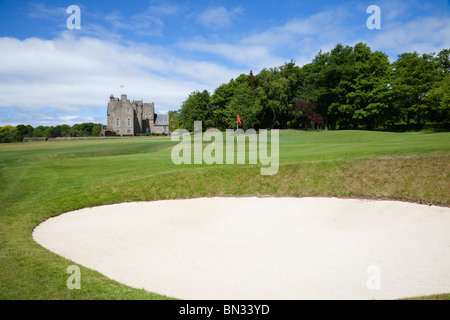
44,179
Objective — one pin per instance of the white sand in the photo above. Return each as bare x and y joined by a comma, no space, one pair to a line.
261,248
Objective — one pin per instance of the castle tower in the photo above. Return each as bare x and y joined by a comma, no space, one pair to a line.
148,114
121,115
130,118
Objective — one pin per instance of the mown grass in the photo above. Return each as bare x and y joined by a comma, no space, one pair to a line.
44,179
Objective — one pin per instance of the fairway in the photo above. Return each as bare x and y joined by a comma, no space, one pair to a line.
45,179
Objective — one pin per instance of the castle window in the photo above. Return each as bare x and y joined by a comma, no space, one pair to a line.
128,111
129,122
117,122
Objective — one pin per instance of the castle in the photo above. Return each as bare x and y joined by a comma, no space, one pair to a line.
131,118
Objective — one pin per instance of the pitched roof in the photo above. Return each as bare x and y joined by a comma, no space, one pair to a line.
161,119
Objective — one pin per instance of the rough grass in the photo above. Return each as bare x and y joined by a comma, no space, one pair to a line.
43,179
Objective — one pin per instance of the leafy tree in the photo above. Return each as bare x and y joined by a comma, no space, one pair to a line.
57,131
274,98
351,87
50,132
438,97
252,80
319,80
443,62
38,132
438,100
86,129
96,129
305,111
8,133
24,131
242,78
246,104
63,130
414,76
295,77
369,93
223,94
75,131
197,107
219,100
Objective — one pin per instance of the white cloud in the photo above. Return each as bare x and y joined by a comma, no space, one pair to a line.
68,73
298,39
218,18
305,36
163,10
253,57
41,11
147,22
302,38
424,35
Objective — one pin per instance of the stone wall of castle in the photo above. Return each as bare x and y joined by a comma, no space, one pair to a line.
130,118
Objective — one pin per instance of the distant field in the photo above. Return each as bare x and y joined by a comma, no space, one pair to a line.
44,179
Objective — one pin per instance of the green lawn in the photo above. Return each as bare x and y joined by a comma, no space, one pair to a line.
44,179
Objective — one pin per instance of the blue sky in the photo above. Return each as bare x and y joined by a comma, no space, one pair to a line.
163,50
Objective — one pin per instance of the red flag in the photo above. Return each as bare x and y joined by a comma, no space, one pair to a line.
239,119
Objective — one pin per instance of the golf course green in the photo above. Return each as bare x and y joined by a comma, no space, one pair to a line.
40,180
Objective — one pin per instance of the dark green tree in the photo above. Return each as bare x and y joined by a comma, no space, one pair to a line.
75,131
414,76
50,132
252,80
39,131
319,80
438,101
197,107
245,103
443,62
274,97
369,93
219,100
24,131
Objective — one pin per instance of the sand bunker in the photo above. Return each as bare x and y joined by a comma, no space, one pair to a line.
261,248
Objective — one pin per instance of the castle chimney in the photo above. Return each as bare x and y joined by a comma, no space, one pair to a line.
123,97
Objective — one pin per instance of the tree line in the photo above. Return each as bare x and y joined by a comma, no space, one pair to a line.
17,133
346,88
